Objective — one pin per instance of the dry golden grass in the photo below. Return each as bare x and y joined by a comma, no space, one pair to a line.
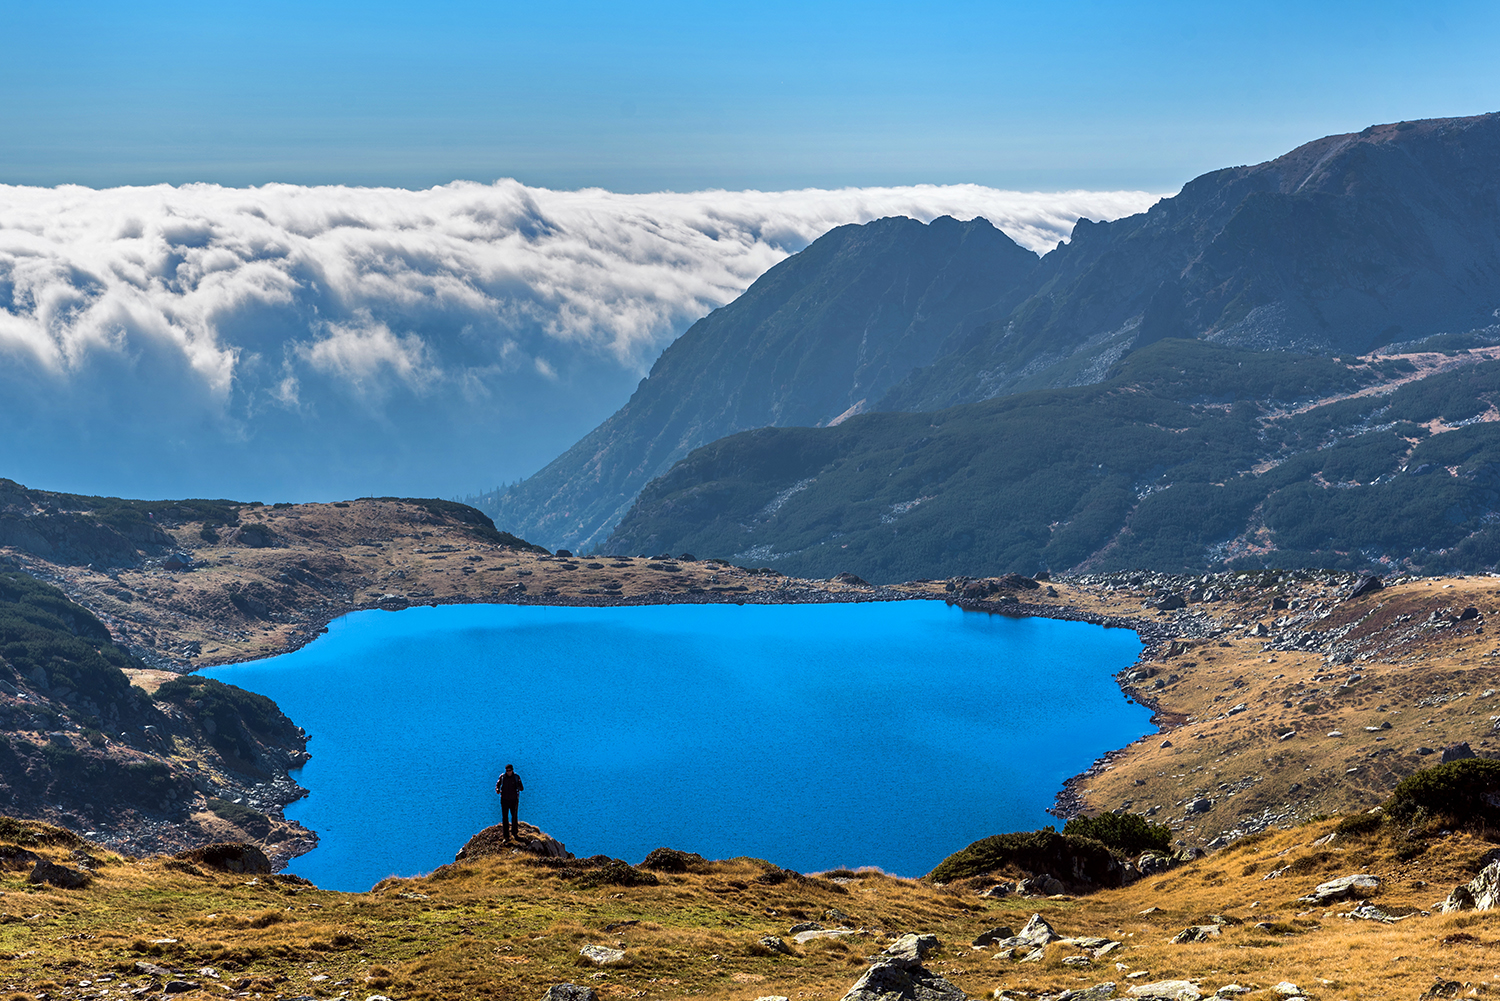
508,928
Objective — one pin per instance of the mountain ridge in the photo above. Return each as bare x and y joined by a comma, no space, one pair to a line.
820,335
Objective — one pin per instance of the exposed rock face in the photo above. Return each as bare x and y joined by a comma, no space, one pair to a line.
1261,256
1167,990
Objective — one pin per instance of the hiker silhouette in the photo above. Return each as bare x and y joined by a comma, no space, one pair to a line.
509,787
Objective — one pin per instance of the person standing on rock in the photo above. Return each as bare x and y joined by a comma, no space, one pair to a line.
509,787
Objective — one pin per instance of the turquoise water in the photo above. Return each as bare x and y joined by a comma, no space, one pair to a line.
816,736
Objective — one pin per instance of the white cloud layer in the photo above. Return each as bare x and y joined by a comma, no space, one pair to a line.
308,300
88,270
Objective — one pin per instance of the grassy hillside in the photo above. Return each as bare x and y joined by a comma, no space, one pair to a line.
511,926
1191,457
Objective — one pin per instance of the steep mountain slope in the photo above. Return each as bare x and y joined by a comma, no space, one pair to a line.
824,333
1340,246
1192,457
81,745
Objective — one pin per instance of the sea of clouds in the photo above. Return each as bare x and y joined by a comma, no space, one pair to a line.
332,341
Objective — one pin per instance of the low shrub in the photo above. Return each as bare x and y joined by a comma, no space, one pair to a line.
1461,793
1126,832
1360,824
1036,852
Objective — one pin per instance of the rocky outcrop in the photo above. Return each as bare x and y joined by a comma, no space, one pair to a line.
1343,888
530,838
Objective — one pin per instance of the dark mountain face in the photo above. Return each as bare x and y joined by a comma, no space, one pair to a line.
1342,245
1193,457
820,336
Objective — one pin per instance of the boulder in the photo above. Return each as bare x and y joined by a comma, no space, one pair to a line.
1366,585
1343,888
229,857
910,950
893,982
1459,900
602,955
804,926
569,992
59,876
994,935
1037,932
1457,752
1196,933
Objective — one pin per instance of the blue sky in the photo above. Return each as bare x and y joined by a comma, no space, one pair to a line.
678,96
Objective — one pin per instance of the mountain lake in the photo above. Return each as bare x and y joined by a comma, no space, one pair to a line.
816,736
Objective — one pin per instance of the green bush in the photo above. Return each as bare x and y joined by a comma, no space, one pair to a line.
1461,793
1035,852
1125,832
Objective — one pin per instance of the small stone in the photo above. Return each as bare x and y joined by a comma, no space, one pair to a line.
1287,989
1077,961
804,926
775,944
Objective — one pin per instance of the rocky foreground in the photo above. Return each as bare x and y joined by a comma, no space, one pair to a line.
1327,910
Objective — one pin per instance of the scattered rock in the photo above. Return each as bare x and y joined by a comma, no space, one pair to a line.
804,937
1077,961
999,890
994,935
1099,992
1167,990
774,944
1369,912
1366,585
1151,863
1199,805
151,969
804,926
1287,989
178,986
1196,933
569,992
602,955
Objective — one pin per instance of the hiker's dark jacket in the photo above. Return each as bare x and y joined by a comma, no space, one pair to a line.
509,787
